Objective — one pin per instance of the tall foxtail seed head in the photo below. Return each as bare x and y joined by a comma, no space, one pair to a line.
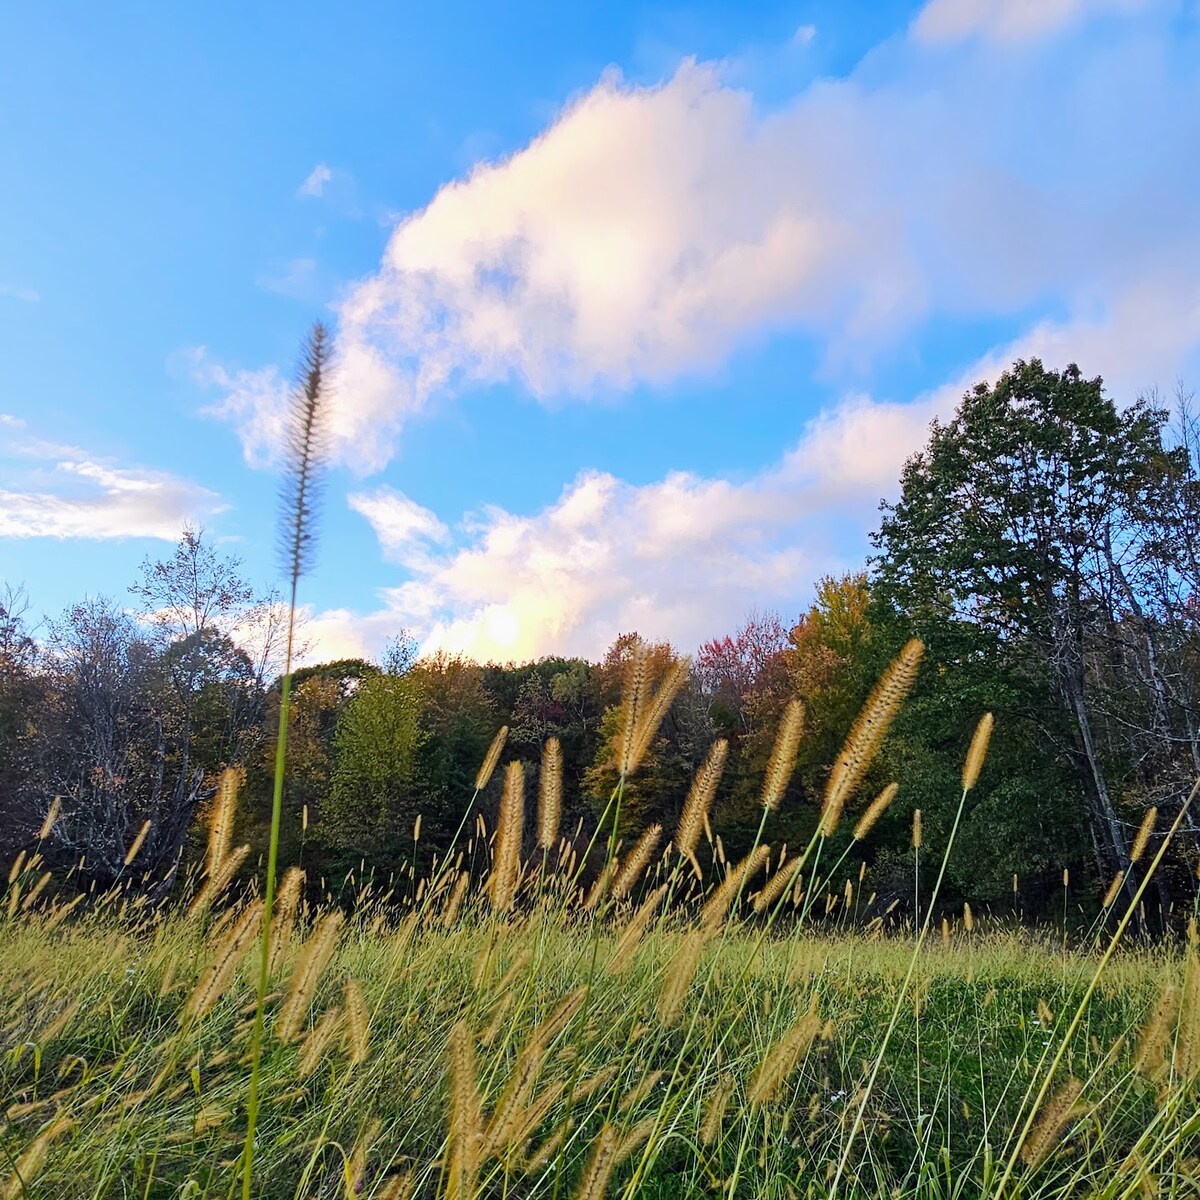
50,818
491,758
550,795
632,704
699,799
466,1119
636,862
782,1059
651,714
783,755
712,915
506,859
868,732
220,821
916,829
1142,840
875,810
137,843
978,752
304,455
1054,1119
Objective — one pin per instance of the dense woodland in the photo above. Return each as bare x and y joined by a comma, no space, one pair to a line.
1045,547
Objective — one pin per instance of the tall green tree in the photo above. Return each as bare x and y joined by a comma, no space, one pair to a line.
996,547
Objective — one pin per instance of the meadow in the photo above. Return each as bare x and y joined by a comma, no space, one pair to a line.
650,1034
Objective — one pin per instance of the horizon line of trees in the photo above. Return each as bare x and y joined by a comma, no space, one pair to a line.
1045,547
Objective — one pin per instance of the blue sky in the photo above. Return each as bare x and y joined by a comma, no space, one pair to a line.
639,308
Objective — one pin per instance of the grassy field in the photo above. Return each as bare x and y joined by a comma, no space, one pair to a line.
551,1054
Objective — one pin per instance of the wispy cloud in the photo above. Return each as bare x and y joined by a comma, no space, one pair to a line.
26,295
314,185
70,493
296,279
649,232
1009,21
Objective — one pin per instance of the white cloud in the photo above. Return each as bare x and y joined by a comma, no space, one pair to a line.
11,422
404,528
649,232
314,185
1008,21
804,35
71,494
296,279
27,295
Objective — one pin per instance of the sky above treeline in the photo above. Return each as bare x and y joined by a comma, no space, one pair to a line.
639,308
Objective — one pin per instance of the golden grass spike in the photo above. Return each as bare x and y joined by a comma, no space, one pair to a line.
216,979
713,914
1055,1117
977,752
1150,1057
491,758
397,1187
632,703
212,889
455,899
317,1040
1142,840
1187,1042
680,973
968,917
700,798
550,786
714,1111
599,888
623,953
777,885
15,869
868,732
311,961
916,829
220,821
465,1130
636,862
50,819
548,1149
634,1139
506,856
33,1158
57,1025
1114,889
783,755
875,810
782,1059
137,843
358,1026
639,1091
653,712
593,1183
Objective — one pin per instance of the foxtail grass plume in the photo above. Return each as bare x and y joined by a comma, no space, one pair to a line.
1142,840
138,843
699,800
680,973
653,713
714,1110
358,1027
783,755
304,455
491,758
550,795
713,914
506,859
603,1161
1054,1120
631,935
633,701
1114,889
317,1041
50,819
977,752
777,885
874,811
916,829
466,1121
636,862
1150,1057
32,1159
219,974
868,732
782,1059
1187,1043
220,820
314,956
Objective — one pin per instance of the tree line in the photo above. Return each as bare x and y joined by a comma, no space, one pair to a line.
1045,547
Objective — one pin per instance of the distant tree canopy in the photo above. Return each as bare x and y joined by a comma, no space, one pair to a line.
1045,546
